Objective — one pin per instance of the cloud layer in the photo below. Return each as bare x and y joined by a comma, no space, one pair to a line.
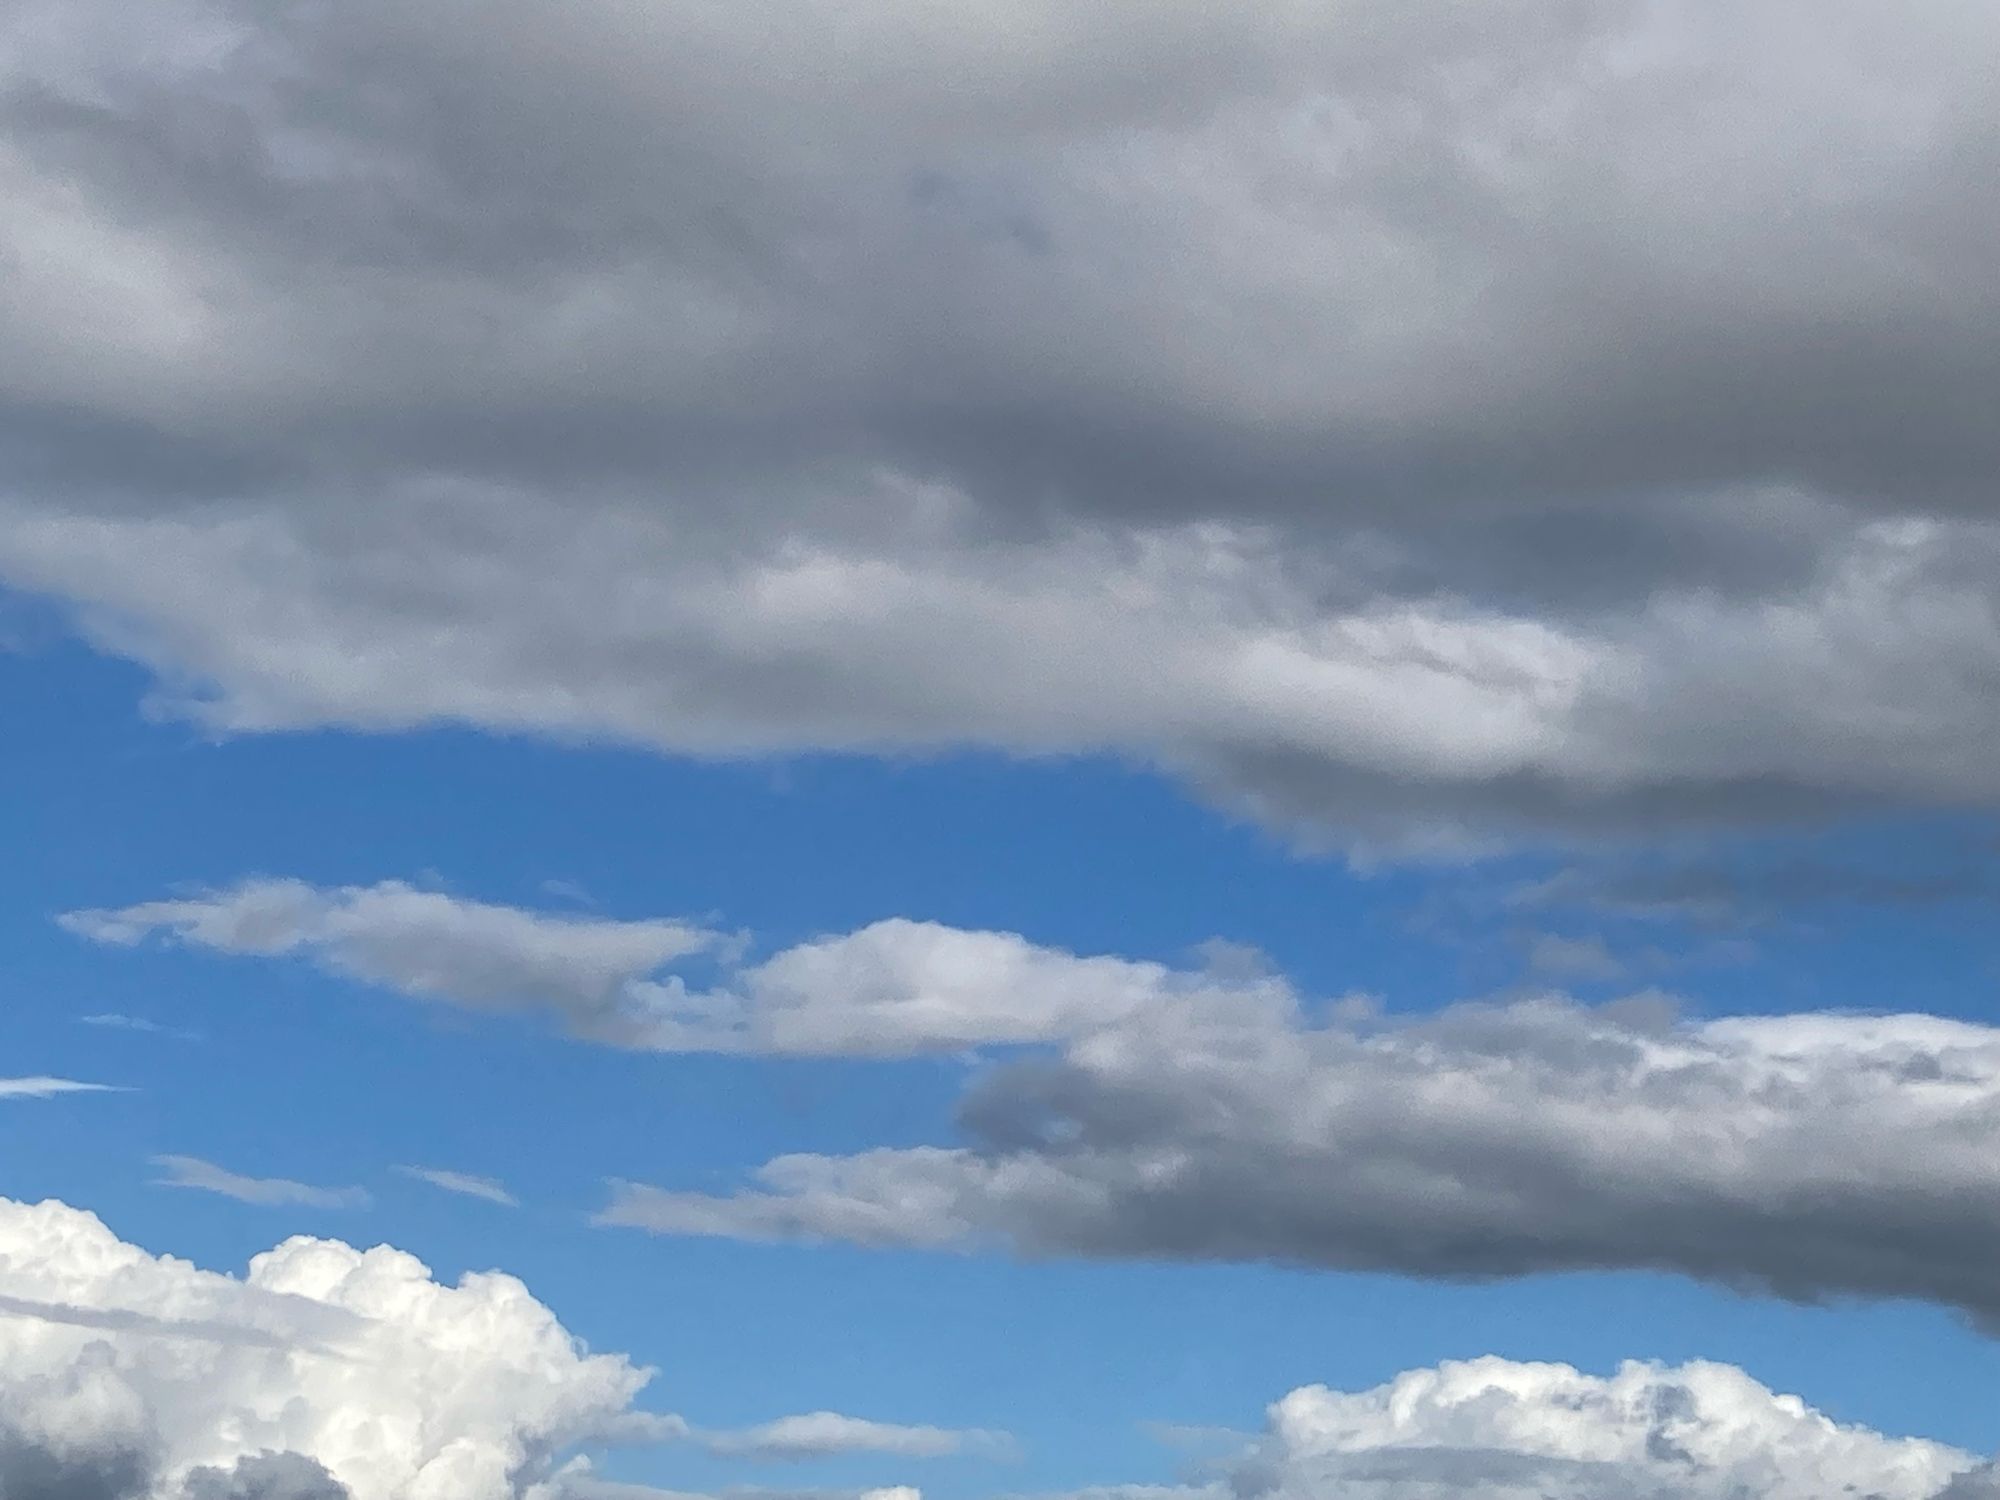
1418,421
1213,1112
1814,1155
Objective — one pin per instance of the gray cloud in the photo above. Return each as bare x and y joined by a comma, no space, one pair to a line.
1419,422
273,1322
1814,1156
265,1476
1746,895
1553,957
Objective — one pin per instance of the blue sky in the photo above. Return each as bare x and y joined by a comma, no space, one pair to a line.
1075,1359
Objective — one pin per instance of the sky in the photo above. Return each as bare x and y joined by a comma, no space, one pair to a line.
891,751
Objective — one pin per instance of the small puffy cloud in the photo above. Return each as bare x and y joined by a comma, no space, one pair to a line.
325,1373
206,1177
50,1088
464,1184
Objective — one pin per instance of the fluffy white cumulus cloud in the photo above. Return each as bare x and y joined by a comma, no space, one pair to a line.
1414,419
325,1373
1489,1429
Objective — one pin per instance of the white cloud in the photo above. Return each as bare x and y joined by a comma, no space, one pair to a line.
893,988
427,944
142,1370
325,1373
329,1373
206,1177
1490,1429
464,1184
50,1088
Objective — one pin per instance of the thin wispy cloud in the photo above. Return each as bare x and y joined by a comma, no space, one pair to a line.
112,1021
52,1088
464,1184
826,1434
271,1192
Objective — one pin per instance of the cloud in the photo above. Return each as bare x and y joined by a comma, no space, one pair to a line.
1213,1112
427,944
463,1184
325,1373
265,1476
1553,957
330,1373
826,1434
893,988
1414,422
578,1482
1745,896
206,1177
1491,1429
1813,1155
111,1021
303,1324
50,1088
